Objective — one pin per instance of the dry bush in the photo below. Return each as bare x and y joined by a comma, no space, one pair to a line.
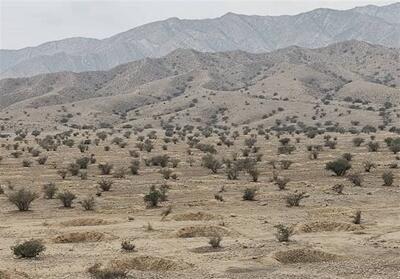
295,198
356,179
338,188
357,217
134,167
211,163
105,184
127,246
283,233
49,190
166,173
368,166
105,168
22,198
66,198
88,203
98,272
119,172
215,241
62,174
281,182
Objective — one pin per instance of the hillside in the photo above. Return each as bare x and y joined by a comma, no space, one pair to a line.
257,34
192,86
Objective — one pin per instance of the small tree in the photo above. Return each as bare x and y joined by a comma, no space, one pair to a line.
210,162
22,199
339,166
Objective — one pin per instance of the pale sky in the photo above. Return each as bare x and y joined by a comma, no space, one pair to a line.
32,22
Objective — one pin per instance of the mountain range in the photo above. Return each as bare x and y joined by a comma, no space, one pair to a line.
255,34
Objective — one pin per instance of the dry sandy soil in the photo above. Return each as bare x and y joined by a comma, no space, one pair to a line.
325,244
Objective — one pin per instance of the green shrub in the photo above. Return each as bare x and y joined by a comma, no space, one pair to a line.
388,178
249,194
339,166
28,249
153,197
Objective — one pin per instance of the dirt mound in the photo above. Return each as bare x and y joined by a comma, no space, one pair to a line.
85,222
202,231
326,226
149,263
303,255
7,274
194,216
332,213
75,237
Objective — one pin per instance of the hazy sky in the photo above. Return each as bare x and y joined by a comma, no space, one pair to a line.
31,22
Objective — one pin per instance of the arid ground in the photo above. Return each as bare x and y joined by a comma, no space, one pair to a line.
172,239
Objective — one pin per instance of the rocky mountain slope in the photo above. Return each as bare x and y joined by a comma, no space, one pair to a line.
257,34
195,85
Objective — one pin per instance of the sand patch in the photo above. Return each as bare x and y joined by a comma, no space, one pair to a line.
207,249
75,237
326,227
202,231
194,216
149,263
86,222
303,255
7,274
